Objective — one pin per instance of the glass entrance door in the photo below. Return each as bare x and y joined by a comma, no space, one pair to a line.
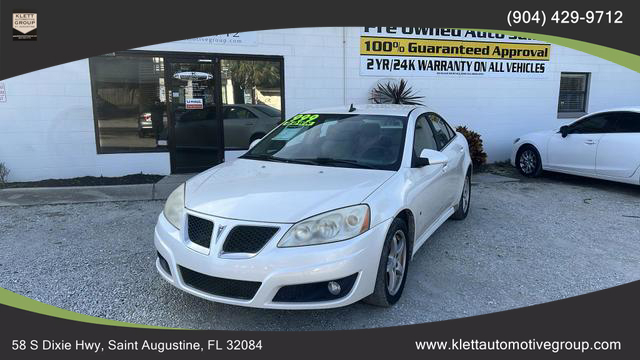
197,142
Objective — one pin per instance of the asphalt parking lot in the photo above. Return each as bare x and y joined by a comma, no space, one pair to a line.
523,243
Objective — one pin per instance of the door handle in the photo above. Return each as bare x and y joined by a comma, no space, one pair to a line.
589,142
249,124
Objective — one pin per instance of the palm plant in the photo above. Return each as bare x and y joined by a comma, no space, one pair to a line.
251,74
394,92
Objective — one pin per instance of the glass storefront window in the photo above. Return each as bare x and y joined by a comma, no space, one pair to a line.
251,98
135,111
130,104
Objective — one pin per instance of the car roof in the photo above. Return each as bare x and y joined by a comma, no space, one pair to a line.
626,108
370,109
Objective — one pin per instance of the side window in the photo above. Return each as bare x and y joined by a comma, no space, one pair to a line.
628,122
423,137
440,131
238,113
450,130
245,114
596,124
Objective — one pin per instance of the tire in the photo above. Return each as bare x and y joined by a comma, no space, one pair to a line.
528,161
465,199
386,293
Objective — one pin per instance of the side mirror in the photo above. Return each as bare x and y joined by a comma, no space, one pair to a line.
431,157
254,143
564,130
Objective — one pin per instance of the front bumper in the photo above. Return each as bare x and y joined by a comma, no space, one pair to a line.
273,267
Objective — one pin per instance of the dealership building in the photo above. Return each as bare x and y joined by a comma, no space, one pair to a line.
187,105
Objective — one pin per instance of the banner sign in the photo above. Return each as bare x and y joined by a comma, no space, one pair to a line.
415,51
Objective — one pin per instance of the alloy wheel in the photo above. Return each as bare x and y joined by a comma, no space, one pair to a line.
466,193
528,161
396,262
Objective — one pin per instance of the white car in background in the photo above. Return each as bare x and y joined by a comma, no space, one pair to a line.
604,145
325,210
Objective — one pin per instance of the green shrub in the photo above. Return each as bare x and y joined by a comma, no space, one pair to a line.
4,175
478,156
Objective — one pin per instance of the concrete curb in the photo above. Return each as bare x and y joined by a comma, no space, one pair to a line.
91,194
75,194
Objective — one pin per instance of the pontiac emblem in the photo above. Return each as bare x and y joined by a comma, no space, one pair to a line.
220,231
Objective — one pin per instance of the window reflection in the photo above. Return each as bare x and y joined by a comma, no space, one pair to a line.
251,98
130,102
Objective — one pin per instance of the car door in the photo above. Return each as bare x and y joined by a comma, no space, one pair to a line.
577,151
619,150
238,127
453,173
427,189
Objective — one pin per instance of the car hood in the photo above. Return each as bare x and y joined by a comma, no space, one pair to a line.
278,192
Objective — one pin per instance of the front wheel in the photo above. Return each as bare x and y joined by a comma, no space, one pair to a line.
465,199
393,267
528,161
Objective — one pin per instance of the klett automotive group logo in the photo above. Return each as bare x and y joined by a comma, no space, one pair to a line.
25,25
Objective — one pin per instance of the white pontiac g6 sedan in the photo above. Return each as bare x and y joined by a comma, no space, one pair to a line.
325,210
604,145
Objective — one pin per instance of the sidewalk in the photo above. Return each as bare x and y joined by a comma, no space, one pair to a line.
157,191
88,194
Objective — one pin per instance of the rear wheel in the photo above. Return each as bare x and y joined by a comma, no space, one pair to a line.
393,266
465,199
528,161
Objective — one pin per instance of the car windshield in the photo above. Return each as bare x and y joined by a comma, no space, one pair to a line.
340,140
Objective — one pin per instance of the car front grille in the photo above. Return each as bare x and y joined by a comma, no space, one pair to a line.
237,289
200,230
248,239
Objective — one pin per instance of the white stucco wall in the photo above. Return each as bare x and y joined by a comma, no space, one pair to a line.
501,108
47,127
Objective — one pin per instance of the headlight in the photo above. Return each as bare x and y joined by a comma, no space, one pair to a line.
174,207
337,225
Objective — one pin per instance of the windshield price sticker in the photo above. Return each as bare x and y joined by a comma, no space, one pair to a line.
302,120
287,133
